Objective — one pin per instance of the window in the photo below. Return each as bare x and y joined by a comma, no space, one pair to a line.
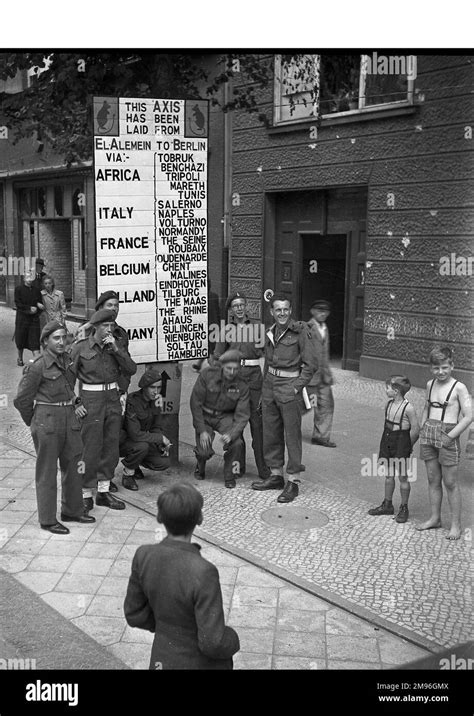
347,83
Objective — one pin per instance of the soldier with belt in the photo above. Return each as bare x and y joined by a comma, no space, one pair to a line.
247,336
99,362
290,362
220,402
142,441
47,402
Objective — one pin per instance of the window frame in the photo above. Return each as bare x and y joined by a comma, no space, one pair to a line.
362,109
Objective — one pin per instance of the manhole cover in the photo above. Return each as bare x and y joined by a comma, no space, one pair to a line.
294,518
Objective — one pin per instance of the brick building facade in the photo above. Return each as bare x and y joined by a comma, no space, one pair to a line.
362,210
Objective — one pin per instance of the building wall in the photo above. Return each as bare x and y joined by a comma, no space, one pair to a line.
424,159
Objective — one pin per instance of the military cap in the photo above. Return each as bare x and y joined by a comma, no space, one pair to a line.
321,305
40,261
149,377
231,355
233,297
49,328
105,314
105,297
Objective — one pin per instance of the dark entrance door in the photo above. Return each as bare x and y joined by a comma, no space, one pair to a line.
354,312
320,226
324,276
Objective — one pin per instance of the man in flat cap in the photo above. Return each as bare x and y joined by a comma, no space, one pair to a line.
321,382
47,403
99,362
248,337
142,441
290,361
39,274
220,403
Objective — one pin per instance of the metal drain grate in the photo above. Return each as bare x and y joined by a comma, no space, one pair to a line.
294,518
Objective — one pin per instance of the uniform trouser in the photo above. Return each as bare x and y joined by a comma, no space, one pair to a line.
232,451
100,435
323,411
256,430
56,435
282,425
142,453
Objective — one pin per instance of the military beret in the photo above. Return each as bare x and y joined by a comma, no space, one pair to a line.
105,314
105,297
49,328
322,305
233,297
231,355
149,377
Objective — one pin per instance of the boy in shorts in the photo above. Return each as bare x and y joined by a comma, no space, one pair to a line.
447,401
401,429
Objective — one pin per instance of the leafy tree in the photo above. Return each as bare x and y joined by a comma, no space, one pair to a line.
57,106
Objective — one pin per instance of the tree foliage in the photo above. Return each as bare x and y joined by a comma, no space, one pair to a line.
57,106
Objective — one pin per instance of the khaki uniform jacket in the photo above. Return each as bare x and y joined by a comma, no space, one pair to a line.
251,373
50,379
215,393
142,420
94,364
293,351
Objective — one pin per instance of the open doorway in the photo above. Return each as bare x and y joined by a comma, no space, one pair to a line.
324,276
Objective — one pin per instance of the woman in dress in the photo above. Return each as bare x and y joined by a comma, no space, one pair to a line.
27,326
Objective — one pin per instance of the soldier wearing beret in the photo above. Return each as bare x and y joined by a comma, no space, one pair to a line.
47,403
290,361
220,402
142,441
99,362
247,336
321,382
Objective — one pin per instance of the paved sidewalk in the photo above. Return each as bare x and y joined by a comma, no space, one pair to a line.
282,588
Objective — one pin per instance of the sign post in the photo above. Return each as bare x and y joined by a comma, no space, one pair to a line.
150,168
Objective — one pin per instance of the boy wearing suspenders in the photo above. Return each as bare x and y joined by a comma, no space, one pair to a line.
448,399
401,429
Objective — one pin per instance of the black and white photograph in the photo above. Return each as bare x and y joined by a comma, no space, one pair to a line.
236,312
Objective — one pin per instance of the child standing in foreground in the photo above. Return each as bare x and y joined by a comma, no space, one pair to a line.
447,400
400,433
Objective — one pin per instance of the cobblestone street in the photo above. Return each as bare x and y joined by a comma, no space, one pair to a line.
348,592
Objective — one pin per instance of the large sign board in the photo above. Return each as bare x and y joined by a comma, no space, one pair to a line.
150,167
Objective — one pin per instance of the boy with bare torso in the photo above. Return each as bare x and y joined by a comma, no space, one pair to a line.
447,413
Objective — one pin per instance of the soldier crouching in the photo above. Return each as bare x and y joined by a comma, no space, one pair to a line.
142,442
47,402
220,402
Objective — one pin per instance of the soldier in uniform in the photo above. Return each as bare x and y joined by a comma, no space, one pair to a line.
142,441
244,336
46,402
110,301
290,361
99,362
220,402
